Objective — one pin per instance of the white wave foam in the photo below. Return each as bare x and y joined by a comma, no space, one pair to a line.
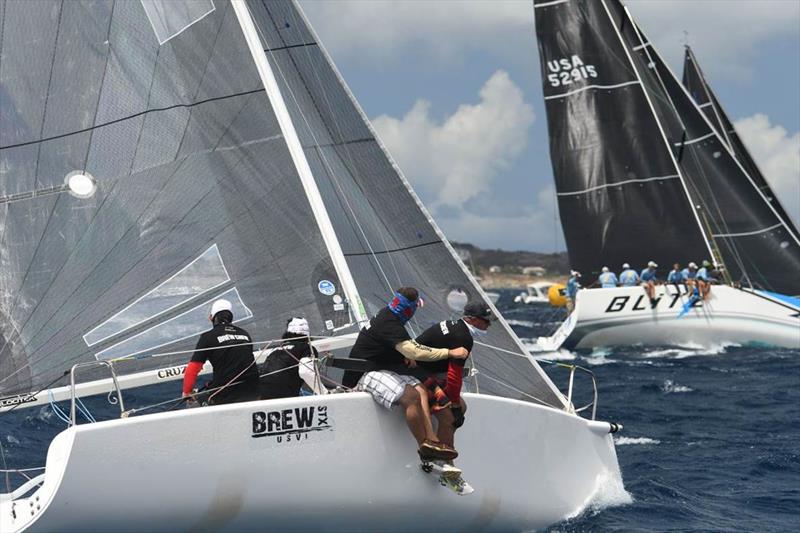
538,354
690,350
670,386
12,439
609,492
622,441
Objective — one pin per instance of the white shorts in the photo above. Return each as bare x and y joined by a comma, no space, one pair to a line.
385,386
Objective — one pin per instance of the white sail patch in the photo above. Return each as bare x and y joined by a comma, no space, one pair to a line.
186,325
203,274
618,183
170,17
566,71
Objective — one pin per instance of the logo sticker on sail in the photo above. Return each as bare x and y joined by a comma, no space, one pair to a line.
566,71
293,426
326,287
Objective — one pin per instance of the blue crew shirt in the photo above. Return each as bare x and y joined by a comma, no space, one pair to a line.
608,280
688,274
572,287
702,274
677,276
648,275
628,278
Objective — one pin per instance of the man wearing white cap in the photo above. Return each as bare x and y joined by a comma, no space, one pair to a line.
281,372
649,279
607,279
628,277
230,351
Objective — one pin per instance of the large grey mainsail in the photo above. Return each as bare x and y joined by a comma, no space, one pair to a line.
386,235
196,198
146,170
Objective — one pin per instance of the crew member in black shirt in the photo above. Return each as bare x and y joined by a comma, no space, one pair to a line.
230,351
385,342
444,385
280,374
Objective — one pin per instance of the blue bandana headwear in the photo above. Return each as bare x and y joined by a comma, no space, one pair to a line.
402,307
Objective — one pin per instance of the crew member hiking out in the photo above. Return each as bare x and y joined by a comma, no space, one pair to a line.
280,374
230,350
385,342
446,377
572,289
648,279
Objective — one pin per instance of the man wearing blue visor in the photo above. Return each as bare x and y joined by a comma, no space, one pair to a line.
385,342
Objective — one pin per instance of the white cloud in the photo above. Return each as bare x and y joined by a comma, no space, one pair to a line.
453,161
381,29
725,34
777,154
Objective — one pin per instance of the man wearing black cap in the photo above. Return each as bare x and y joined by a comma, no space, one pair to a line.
446,376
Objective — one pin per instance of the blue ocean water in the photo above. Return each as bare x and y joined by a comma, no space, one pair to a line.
711,438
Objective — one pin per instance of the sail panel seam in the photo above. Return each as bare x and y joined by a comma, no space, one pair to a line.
135,115
288,46
626,182
749,233
576,91
696,140
393,250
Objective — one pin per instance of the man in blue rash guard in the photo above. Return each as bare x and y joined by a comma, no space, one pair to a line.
676,275
607,279
572,289
628,277
648,279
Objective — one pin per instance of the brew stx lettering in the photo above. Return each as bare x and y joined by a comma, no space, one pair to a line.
293,425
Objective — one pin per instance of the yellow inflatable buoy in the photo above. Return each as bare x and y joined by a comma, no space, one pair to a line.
557,295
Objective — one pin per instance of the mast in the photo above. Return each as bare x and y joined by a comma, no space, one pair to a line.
301,163
692,204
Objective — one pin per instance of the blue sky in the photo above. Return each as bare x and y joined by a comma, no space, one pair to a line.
453,89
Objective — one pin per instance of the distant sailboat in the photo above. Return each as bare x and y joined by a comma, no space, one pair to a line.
641,174
158,155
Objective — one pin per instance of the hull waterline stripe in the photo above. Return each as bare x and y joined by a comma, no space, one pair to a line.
696,140
553,3
748,233
626,182
576,91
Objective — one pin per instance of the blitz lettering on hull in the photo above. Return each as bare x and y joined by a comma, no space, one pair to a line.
293,426
664,300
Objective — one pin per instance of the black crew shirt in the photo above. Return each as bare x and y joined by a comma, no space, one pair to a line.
230,350
280,373
448,334
376,340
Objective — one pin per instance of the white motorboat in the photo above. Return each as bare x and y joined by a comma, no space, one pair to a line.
169,153
535,293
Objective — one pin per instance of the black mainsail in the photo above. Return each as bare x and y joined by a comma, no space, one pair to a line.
620,193
724,205
157,155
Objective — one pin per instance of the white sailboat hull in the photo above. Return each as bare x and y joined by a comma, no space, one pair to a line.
203,469
624,316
